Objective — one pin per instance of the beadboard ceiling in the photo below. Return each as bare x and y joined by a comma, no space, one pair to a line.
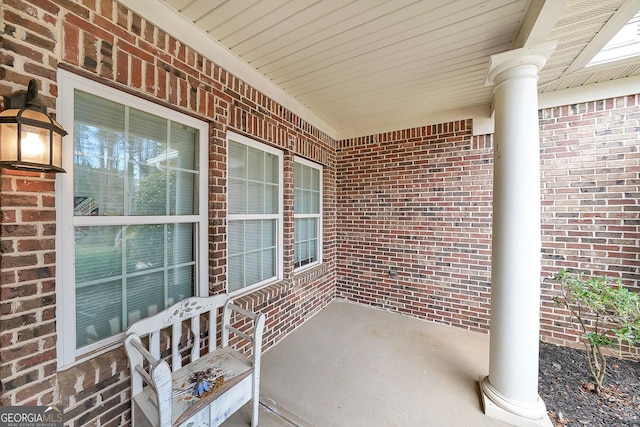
358,67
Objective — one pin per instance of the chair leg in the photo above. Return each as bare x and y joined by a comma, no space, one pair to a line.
255,400
255,406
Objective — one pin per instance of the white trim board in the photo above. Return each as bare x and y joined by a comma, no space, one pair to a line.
593,92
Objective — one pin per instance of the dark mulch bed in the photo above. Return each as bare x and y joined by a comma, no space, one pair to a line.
567,390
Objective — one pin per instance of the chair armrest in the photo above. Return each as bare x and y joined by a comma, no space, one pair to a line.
257,320
157,376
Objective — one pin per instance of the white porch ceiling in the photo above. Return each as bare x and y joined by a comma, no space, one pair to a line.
359,67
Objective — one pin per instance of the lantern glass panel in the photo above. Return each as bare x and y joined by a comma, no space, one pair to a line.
34,144
8,142
57,150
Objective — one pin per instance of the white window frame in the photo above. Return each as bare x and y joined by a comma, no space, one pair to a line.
317,166
279,217
68,82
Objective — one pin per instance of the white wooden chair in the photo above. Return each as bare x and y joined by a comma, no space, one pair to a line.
162,394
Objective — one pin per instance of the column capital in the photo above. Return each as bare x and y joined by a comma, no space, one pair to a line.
533,55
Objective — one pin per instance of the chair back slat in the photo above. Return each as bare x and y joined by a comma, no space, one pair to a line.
176,334
195,330
213,330
154,344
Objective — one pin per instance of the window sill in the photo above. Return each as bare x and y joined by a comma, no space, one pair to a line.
259,296
314,271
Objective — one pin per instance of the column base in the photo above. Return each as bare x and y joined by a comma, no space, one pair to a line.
498,406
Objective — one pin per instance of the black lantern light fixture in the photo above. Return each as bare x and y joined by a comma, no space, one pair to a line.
29,138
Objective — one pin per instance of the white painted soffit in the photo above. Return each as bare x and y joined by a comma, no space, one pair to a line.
174,23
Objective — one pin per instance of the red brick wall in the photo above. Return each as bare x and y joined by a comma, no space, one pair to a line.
590,164
417,202
27,287
102,40
28,221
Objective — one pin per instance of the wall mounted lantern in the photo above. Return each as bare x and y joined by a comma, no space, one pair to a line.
29,138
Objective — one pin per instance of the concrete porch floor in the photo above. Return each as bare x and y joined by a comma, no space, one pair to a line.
352,365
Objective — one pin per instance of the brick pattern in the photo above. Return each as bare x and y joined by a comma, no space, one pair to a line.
590,165
414,215
27,287
407,214
102,40
418,202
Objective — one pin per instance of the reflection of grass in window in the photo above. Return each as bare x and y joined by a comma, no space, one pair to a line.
97,259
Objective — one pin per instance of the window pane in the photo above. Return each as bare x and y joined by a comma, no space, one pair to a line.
313,250
235,239
253,267
309,201
315,203
312,228
271,168
145,296
98,253
298,202
236,273
147,179
272,199
98,112
256,197
181,283
180,245
301,229
237,160
268,263
150,194
307,189
98,312
149,283
304,229
98,171
269,233
304,253
297,257
183,193
252,252
144,247
253,235
315,179
148,127
237,196
298,172
183,143
256,163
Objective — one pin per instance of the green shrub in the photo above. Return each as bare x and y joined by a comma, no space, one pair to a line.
604,312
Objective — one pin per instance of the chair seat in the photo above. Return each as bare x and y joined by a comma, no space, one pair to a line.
223,363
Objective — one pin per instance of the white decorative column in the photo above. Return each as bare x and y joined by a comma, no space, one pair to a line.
510,392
